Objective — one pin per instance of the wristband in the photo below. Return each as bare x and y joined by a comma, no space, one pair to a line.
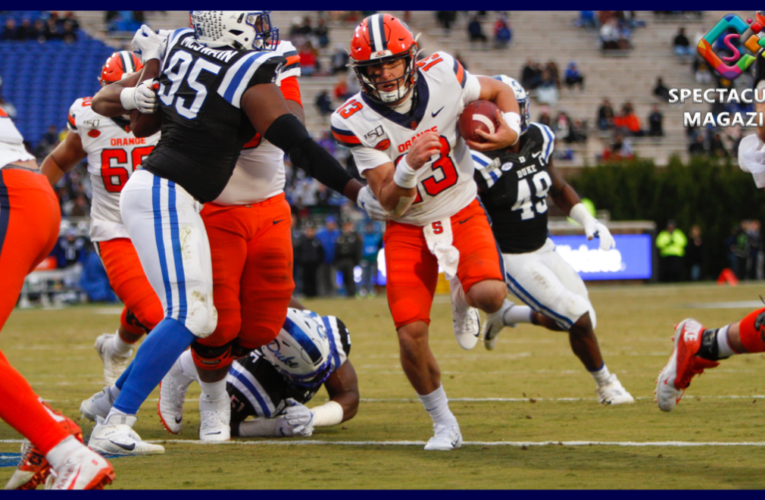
513,120
330,413
580,214
405,177
127,98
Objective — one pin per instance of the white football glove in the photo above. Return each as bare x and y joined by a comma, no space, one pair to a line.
142,97
368,203
148,44
594,229
296,420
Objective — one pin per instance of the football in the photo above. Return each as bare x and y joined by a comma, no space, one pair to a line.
478,115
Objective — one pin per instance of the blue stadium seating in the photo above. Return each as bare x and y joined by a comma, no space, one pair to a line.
43,79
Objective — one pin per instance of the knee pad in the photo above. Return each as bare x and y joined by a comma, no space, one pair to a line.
212,358
203,317
575,306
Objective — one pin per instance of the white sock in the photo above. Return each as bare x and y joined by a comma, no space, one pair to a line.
120,346
601,376
458,294
213,394
114,391
187,365
58,454
723,345
517,314
437,406
119,416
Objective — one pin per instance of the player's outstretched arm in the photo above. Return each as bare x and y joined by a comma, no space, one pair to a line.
395,186
343,389
64,158
121,97
268,112
508,117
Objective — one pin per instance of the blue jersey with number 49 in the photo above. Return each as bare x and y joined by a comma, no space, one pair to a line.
203,125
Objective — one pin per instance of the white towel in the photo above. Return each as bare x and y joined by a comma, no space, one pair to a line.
439,238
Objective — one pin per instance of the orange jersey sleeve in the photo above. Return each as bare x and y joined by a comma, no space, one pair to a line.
291,89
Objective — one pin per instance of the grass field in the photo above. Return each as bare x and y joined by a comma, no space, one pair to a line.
543,398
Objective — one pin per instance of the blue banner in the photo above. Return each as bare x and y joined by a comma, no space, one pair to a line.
632,259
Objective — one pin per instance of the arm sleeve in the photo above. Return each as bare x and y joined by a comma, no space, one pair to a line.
288,134
471,91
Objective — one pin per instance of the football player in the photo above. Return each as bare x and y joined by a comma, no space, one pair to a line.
274,383
402,130
215,90
29,224
697,347
113,154
513,184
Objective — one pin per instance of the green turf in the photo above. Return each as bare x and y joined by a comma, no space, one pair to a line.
53,349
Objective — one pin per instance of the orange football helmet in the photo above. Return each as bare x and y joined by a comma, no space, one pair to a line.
379,39
118,66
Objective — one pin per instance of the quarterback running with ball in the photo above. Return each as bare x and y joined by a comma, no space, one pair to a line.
402,130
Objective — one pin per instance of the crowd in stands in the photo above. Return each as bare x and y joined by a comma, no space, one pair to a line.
49,26
127,21
614,27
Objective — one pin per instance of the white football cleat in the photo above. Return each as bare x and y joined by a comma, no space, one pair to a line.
465,319
98,405
172,394
114,362
216,424
448,437
83,470
682,366
116,436
612,393
494,324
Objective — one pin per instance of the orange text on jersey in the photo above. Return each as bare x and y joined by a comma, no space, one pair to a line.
132,141
408,144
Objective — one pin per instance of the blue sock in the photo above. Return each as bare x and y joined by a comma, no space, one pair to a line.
121,381
154,359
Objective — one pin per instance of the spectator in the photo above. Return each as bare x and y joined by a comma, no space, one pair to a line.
671,244
587,20
605,115
70,20
655,119
48,141
609,35
682,46
70,249
81,206
38,30
25,31
530,76
620,149
544,116
322,34
310,255
697,147
69,35
702,72
578,132
340,60
695,253
628,121
324,104
446,18
562,127
328,238
552,68
371,243
52,31
717,146
348,252
10,32
754,263
503,35
660,90
341,89
475,31
309,59
574,77
741,248
547,92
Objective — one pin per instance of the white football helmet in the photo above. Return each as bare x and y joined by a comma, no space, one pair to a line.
301,351
240,30
522,97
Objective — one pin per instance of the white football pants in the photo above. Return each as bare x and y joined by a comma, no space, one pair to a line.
548,284
169,236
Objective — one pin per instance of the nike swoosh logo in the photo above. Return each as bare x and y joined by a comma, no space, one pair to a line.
128,447
665,381
212,433
178,420
464,221
536,154
74,481
436,112
278,221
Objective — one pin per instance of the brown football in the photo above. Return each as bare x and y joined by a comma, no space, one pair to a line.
478,115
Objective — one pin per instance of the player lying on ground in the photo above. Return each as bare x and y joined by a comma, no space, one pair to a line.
402,130
273,383
29,224
696,347
113,154
513,184
214,94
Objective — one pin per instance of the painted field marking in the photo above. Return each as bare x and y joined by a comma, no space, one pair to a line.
518,444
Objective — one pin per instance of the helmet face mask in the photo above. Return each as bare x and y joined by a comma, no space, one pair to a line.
240,30
524,102
380,41
301,351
